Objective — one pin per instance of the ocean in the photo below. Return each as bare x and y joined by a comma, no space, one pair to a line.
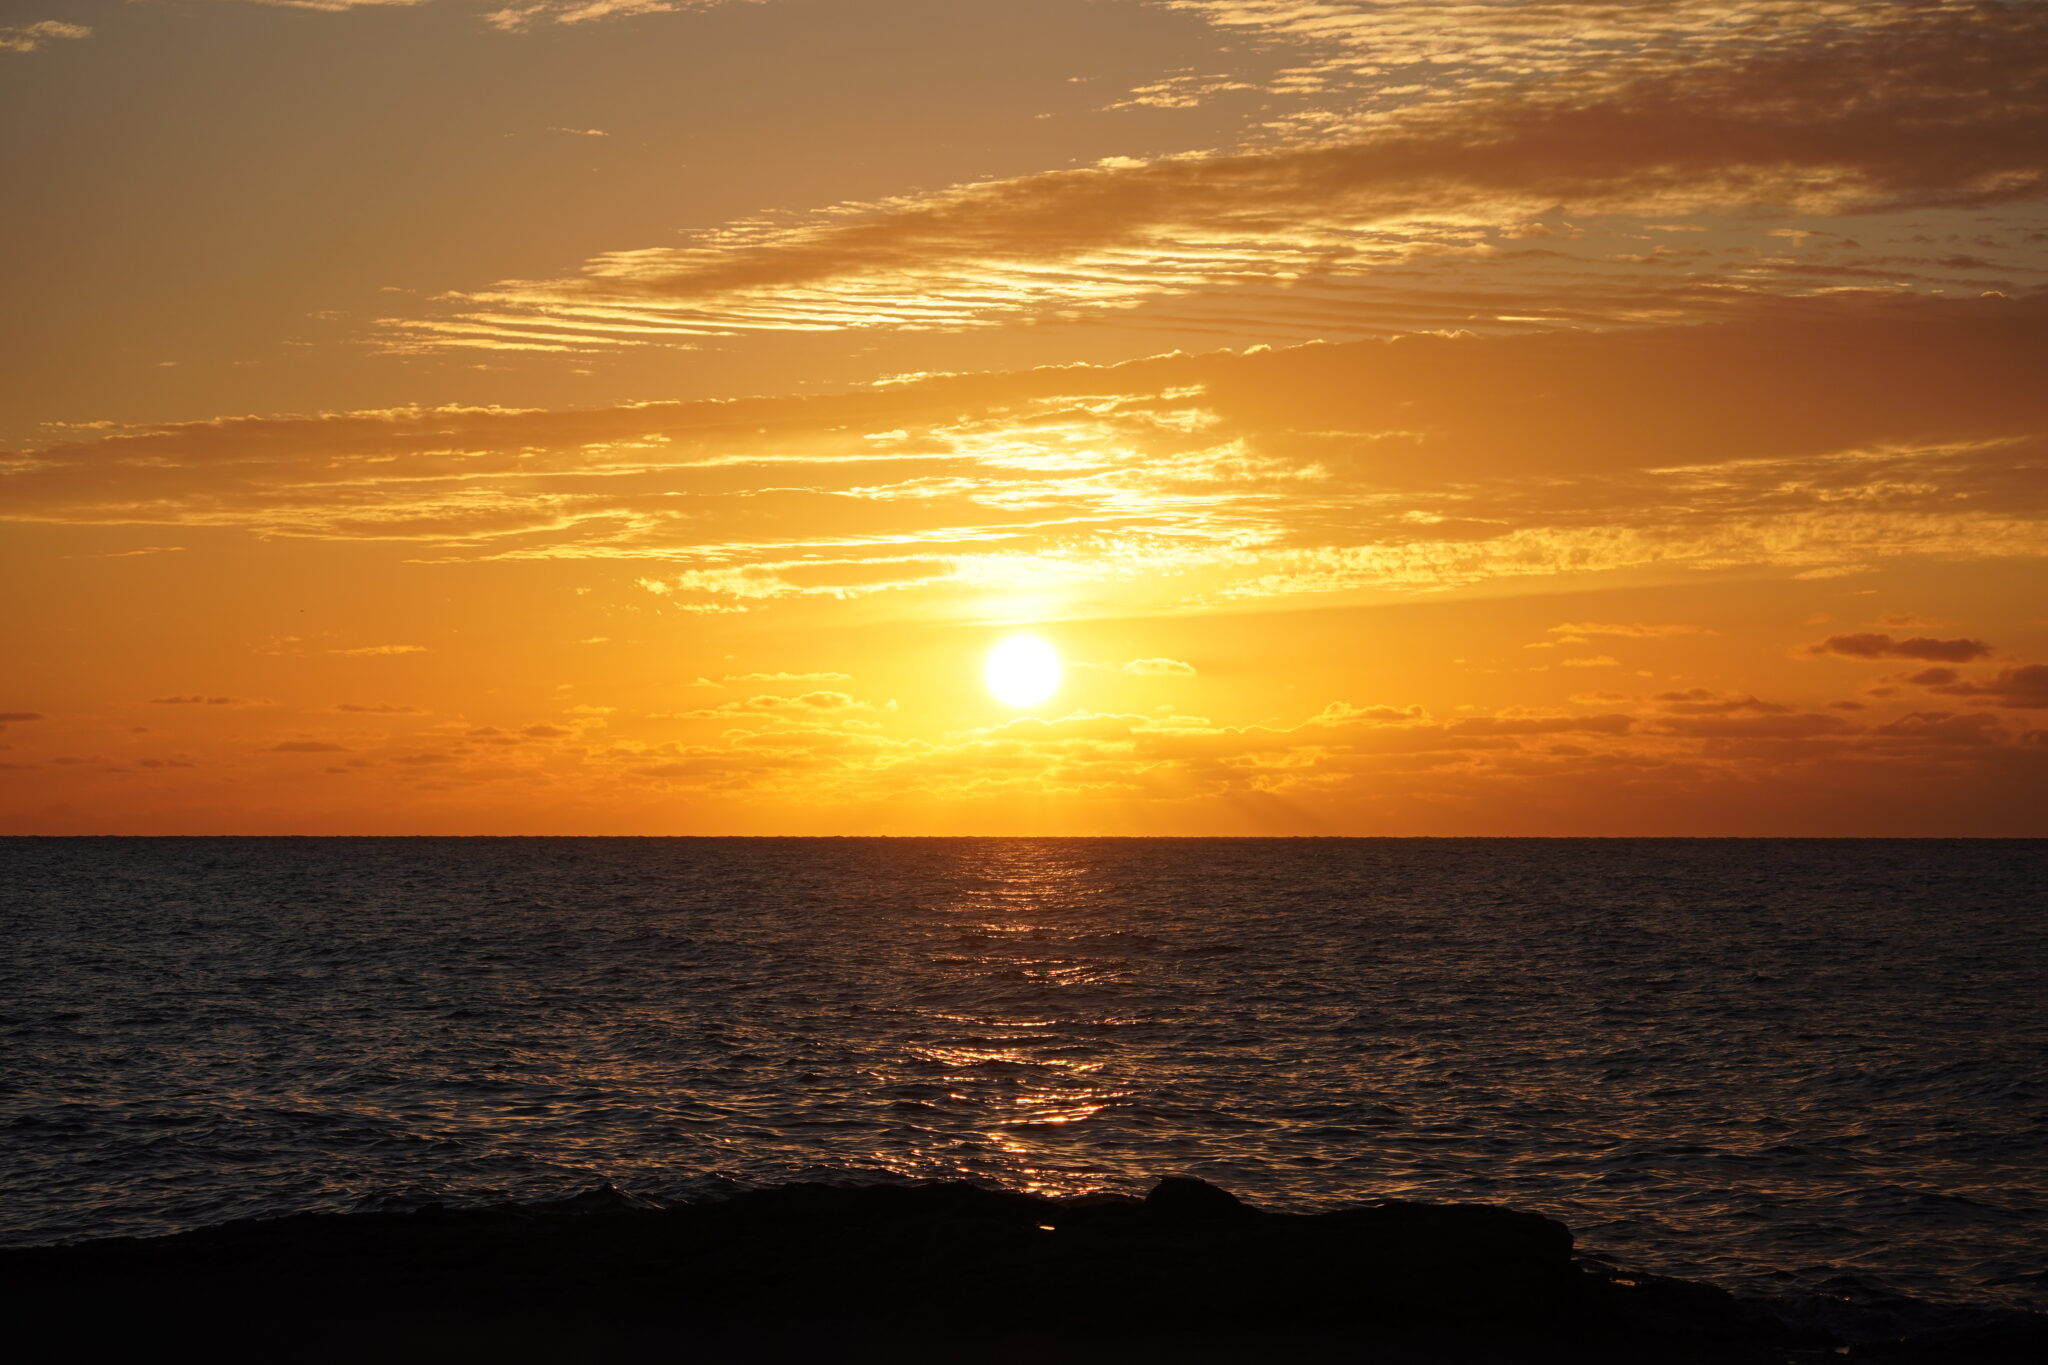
1790,1067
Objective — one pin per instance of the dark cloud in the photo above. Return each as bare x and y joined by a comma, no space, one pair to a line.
1804,725
1698,701
1942,730
1611,724
1874,646
2023,688
306,746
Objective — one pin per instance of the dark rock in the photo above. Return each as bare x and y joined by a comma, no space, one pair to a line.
2010,1339
895,1271
1179,1196
598,1199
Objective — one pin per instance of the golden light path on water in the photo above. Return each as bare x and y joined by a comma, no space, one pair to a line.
1030,1035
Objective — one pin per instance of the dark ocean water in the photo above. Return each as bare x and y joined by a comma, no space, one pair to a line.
1814,1067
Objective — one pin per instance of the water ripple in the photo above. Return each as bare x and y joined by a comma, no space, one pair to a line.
1807,1065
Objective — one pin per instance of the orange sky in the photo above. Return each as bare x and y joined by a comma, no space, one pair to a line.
642,416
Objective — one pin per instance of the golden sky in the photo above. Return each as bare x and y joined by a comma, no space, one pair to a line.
1401,417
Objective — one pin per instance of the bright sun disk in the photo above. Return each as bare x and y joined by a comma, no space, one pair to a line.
1022,670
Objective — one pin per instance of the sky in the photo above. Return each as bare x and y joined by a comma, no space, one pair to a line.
1462,417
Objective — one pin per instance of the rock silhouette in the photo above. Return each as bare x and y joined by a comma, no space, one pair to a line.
919,1271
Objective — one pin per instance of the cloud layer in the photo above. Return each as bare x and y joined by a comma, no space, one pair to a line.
1797,111
1809,439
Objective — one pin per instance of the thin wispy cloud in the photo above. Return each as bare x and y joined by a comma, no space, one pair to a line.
32,37
1821,119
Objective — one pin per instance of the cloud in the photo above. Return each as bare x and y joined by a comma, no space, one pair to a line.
515,18
382,649
336,6
787,677
770,704
1593,661
1354,757
1607,723
1160,668
1690,759
196,700
1495,40
1791,439
833,578
1181,91
351,707
9,717
2021,688
1873,646
30,37
1629,630
1698,701
1799,726
1943,730
1835,117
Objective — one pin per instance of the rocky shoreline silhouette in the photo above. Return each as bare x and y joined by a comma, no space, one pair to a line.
913,1271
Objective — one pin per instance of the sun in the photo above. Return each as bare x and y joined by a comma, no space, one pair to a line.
1022,670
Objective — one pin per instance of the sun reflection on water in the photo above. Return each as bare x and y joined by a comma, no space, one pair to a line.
1010,1021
